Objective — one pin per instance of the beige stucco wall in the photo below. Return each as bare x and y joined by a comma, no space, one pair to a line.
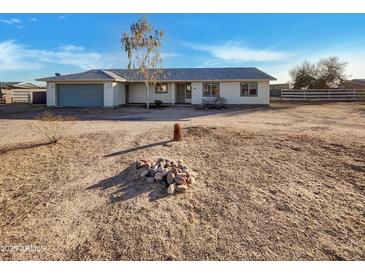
51,94
108,94
118,94
231,92
114,94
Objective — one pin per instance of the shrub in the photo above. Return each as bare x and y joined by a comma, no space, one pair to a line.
158,103
213,103
52,127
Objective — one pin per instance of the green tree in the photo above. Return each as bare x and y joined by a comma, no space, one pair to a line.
142,45
304,76
326,73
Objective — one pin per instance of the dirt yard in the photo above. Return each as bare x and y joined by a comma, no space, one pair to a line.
285,182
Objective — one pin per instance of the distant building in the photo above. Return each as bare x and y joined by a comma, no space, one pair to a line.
275,89
279,86
22,92
17,85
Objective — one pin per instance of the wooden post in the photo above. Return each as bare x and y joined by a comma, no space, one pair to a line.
177,133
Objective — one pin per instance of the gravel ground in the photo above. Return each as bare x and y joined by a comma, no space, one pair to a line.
284,182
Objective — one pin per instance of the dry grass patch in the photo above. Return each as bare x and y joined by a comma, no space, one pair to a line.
259,195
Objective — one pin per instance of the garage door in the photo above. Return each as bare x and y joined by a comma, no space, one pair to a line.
80,95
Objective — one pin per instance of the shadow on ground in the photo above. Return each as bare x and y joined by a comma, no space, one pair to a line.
163,143
128,185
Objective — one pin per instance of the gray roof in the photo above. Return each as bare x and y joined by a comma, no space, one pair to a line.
93,75
25,85
170,74
3,84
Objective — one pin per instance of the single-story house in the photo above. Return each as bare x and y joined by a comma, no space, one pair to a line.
113,87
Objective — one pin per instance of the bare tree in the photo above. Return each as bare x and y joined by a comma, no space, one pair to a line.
143,45
331,72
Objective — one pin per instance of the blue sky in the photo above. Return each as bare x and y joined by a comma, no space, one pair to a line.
37,45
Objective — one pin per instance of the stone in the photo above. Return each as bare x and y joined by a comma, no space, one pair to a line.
182,174
166,165
158,176
170,177
152,172
160,169
164,183
180,166
180,161
181,188
173,169
179,180
144,172
171,189
150,180
165,171
191,181
185,169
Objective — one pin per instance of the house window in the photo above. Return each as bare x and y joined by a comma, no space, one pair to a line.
248,89
210,89
161,88
188,91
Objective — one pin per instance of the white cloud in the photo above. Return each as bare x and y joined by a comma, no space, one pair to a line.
279,63
12,57
11,21
167,55
231,51
15,56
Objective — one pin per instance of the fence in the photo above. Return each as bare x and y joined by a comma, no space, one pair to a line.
19,95
323,94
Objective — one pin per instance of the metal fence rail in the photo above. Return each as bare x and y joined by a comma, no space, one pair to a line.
323,94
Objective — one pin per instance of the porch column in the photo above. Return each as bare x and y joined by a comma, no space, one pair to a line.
51,94
173,93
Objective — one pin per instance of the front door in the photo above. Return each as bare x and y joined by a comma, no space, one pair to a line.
180,93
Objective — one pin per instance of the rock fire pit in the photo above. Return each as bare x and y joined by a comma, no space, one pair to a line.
175,176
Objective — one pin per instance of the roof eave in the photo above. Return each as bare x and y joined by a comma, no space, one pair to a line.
80,80
205,80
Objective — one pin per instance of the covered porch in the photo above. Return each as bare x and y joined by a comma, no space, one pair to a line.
171,93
